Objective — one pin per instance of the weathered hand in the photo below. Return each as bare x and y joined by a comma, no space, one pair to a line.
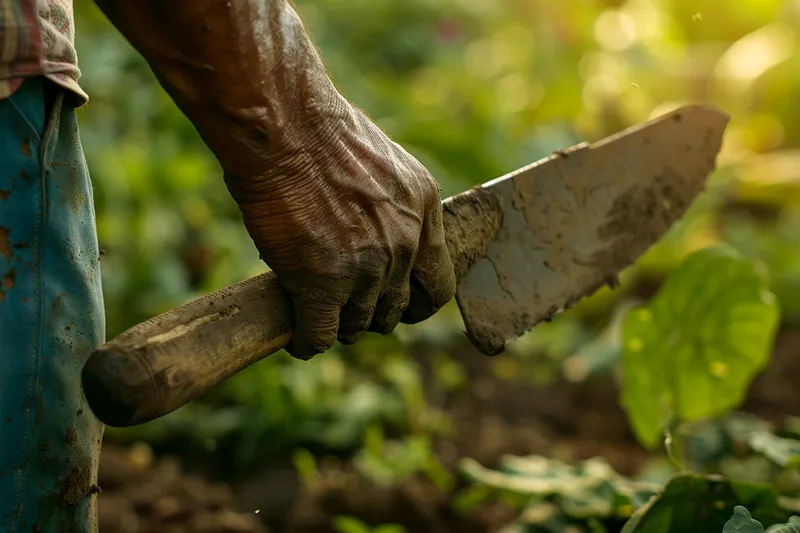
346,218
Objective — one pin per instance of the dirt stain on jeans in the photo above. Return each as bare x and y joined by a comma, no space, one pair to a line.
5,244
26,147
8,280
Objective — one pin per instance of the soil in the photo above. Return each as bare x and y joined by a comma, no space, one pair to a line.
142,494
145,494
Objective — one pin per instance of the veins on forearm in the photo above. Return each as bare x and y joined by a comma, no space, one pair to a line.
241,70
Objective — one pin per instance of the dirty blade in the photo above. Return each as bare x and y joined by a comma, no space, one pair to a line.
573,220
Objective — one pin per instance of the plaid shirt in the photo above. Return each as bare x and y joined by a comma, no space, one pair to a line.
37,39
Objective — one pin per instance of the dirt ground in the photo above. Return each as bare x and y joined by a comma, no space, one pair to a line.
146,494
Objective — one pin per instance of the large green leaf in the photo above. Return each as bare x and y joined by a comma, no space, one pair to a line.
694,503
693,351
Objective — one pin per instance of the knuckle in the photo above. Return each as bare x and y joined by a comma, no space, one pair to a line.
393,307
370,266
403,254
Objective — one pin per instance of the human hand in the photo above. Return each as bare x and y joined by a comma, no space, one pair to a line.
348,220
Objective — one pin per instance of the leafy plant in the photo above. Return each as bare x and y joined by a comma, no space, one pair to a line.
592,497
692,352
351,524
389,462
591,489
699,503
742,522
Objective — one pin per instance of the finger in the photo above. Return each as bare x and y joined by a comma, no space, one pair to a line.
316,324
397,295
356,315
391,306
433,282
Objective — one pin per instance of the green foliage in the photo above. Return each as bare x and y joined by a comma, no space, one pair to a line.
351,524
785,452
692,352
793,526
692,503
742,446
306,465
742,522
553,495
591,497
389,462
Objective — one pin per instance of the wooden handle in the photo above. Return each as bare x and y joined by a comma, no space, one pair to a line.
161,364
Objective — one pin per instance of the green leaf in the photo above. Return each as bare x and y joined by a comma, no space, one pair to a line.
349,524
742,522
592,489
793,526
306,466
694,503
784,452
389,528
693,351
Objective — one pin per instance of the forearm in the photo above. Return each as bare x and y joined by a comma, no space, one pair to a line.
243,71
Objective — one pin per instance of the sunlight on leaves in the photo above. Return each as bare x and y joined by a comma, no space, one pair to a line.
693,351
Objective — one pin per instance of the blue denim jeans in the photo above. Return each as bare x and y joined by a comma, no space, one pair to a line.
51,316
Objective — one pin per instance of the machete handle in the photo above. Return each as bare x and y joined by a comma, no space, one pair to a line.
159,365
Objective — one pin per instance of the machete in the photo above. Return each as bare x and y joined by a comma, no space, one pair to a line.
525,246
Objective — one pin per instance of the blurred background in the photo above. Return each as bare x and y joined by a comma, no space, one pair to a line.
373,435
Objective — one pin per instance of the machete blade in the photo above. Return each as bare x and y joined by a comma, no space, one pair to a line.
572,221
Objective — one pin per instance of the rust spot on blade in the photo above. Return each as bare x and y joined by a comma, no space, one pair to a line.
4,194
